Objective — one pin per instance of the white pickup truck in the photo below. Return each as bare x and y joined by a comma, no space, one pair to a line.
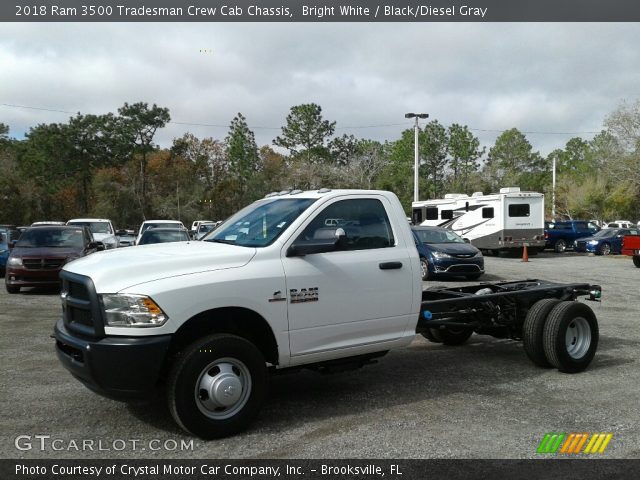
324,279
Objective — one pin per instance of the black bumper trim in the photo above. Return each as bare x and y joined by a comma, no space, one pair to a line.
121,368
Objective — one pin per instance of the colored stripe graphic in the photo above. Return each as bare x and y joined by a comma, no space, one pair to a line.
572,443
551,442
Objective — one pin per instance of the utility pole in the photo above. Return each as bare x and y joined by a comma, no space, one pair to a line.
416,165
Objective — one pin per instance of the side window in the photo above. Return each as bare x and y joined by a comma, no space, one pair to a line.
446,214
364,221
432,213
487,212
417,216
519,210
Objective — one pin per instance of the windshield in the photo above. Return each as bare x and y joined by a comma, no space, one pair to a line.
605,233
43,237
95,227
259,224
164,236
147,226
438,236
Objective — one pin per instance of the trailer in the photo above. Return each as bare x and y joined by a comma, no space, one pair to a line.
508,220
556,329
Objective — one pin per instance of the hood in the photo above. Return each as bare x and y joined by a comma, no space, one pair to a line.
48,252
104,237
115,270
453,248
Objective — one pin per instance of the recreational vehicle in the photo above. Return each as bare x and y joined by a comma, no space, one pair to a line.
499,221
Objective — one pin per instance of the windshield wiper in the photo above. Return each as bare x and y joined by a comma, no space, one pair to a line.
221,240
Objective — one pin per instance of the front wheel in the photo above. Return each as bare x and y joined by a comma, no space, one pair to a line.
636,261
570,336
216,386
560,246
424,268
12,288
605,249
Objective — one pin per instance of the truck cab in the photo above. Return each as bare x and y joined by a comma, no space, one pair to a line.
297,278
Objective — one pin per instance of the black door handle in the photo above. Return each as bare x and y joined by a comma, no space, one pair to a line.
390,265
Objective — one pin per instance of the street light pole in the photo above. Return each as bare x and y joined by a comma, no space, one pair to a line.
416,164
553,192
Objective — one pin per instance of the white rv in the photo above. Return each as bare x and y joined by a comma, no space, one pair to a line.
498,221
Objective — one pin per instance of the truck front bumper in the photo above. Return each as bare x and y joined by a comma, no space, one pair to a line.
121,368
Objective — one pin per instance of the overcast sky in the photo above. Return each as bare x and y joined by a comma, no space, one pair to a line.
562,78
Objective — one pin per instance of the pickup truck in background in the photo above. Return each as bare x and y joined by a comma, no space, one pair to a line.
327,280
561,235
631,247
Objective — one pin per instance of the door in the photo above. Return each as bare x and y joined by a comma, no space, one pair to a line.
359,294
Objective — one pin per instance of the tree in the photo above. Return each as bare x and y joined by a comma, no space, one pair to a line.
141,124
464,149
241,149
433,154
306,133
512,162
624,124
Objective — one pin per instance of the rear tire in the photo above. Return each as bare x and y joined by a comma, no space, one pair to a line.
560,246
452,336
216,386
570,336
12,288
636,261
533,330
431,336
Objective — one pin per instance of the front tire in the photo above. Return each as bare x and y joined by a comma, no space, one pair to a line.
216,386
570,336
605,249
560,246
12,288
424,267
636,261
533,330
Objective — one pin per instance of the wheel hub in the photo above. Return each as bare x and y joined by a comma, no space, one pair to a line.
578,338
223,388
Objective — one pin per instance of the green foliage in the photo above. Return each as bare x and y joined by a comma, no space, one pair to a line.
306,133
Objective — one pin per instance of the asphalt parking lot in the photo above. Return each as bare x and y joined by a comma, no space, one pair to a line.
481,400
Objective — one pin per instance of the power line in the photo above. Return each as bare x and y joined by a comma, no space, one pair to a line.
213,125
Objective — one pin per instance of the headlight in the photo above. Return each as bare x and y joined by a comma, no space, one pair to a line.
14,262
125,310
440,255
593,242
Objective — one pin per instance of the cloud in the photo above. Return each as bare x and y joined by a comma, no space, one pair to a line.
536,77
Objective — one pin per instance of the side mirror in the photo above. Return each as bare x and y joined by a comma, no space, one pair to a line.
300,248
466,240
12,244
99,246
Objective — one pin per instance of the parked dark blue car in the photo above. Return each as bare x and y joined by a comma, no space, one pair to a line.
444,254
606,241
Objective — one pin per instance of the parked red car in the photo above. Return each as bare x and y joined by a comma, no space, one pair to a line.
631,247
40,253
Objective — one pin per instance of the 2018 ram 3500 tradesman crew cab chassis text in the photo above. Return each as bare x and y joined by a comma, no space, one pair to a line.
323,279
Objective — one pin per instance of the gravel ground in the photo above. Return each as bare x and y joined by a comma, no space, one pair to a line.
481,400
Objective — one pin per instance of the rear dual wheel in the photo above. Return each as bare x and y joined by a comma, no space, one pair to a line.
559,334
